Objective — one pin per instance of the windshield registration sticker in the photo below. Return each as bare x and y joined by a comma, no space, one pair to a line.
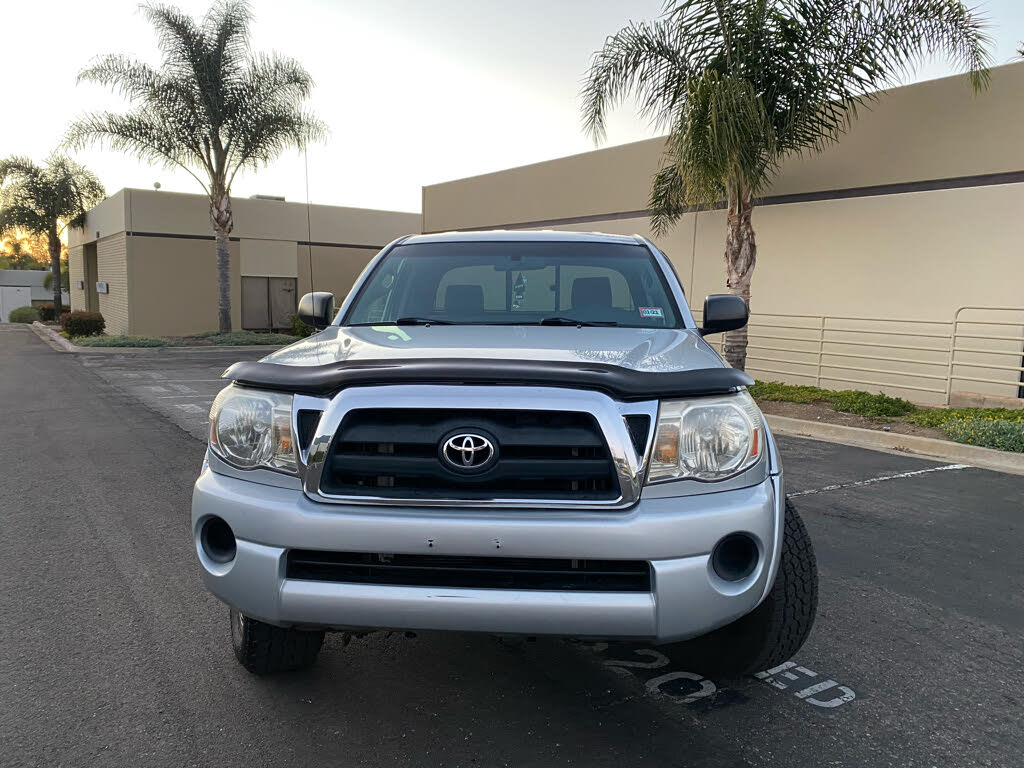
651,312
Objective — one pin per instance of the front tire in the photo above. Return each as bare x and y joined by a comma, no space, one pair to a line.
774,631
264,649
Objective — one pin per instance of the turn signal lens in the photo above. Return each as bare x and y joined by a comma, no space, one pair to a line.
711,438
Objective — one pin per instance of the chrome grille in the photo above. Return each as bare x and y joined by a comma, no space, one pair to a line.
395,453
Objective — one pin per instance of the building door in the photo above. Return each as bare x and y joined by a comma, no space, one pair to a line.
268,303
283,302
91,275
13,297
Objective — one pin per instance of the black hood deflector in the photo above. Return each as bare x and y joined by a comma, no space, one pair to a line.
616,381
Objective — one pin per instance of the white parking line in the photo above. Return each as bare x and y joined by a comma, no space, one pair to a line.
879,479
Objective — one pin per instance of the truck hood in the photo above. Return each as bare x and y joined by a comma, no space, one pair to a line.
639,349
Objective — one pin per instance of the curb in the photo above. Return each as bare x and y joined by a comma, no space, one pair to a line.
927,447
61,344
52,338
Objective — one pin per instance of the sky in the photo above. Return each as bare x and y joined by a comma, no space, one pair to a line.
415,92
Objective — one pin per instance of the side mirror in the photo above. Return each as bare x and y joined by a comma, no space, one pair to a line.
317,309
724,312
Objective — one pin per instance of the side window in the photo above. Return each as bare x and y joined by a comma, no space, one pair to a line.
378,298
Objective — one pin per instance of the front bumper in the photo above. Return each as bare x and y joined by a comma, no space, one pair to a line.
676,535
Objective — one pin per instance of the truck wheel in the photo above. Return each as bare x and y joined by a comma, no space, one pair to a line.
264,649
774,631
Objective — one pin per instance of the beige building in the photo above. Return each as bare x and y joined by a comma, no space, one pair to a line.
893,261
147,260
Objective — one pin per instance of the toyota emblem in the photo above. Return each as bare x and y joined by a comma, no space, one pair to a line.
467,452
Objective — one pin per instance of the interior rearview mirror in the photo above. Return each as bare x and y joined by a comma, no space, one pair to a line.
723,312
317,309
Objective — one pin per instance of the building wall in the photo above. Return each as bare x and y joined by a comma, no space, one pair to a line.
174,286
152,211
169,269
112,267
909,218
333,269
76,273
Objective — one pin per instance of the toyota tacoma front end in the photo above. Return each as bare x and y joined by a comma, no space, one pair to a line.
518,433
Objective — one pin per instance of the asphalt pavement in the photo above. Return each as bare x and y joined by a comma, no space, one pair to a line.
112,654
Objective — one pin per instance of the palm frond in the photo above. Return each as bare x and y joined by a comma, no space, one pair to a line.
211,107
45,199
742,84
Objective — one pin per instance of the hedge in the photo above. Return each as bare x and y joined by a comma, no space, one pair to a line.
46,313
83,323
24,315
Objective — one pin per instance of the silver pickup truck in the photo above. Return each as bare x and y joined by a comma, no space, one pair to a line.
517,433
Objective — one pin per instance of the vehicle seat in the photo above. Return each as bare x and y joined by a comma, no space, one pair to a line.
591,292
464,299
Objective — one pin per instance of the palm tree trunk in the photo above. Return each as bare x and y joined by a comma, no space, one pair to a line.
223,223
53,240
740,257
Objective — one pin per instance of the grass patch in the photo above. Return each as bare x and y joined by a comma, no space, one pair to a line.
848,400
122,341
788,393
244,338
999,428
866,404
937,417
988,433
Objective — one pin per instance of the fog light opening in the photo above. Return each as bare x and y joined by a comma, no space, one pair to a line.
218,540
734,557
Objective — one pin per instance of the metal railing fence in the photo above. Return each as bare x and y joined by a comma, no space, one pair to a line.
980,350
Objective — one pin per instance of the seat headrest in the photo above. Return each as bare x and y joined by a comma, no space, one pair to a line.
591,292
468,299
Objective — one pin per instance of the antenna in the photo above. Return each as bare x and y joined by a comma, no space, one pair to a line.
309,228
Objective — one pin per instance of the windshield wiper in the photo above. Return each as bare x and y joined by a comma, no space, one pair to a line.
580,323
421,321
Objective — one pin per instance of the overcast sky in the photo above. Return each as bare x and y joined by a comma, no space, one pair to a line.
414,91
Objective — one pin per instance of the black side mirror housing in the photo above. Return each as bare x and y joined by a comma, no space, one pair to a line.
724,312
317,309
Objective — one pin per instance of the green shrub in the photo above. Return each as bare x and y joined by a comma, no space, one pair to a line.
988,433
300,329
24,315
46,313
790,393
83,323
936,417
866,404
124,341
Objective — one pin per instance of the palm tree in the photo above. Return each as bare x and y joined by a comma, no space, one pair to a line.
212,108
742,84
46,200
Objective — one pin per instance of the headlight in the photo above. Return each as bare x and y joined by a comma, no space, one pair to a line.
707,438
249,429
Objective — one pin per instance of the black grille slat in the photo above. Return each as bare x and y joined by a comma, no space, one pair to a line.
470,572
394,453
507,469
417,433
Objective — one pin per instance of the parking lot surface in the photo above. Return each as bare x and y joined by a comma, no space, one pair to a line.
112,654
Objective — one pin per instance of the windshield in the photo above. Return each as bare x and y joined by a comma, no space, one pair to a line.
516,283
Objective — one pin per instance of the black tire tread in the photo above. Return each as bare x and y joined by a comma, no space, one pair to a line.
774,631
794,596
266,650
